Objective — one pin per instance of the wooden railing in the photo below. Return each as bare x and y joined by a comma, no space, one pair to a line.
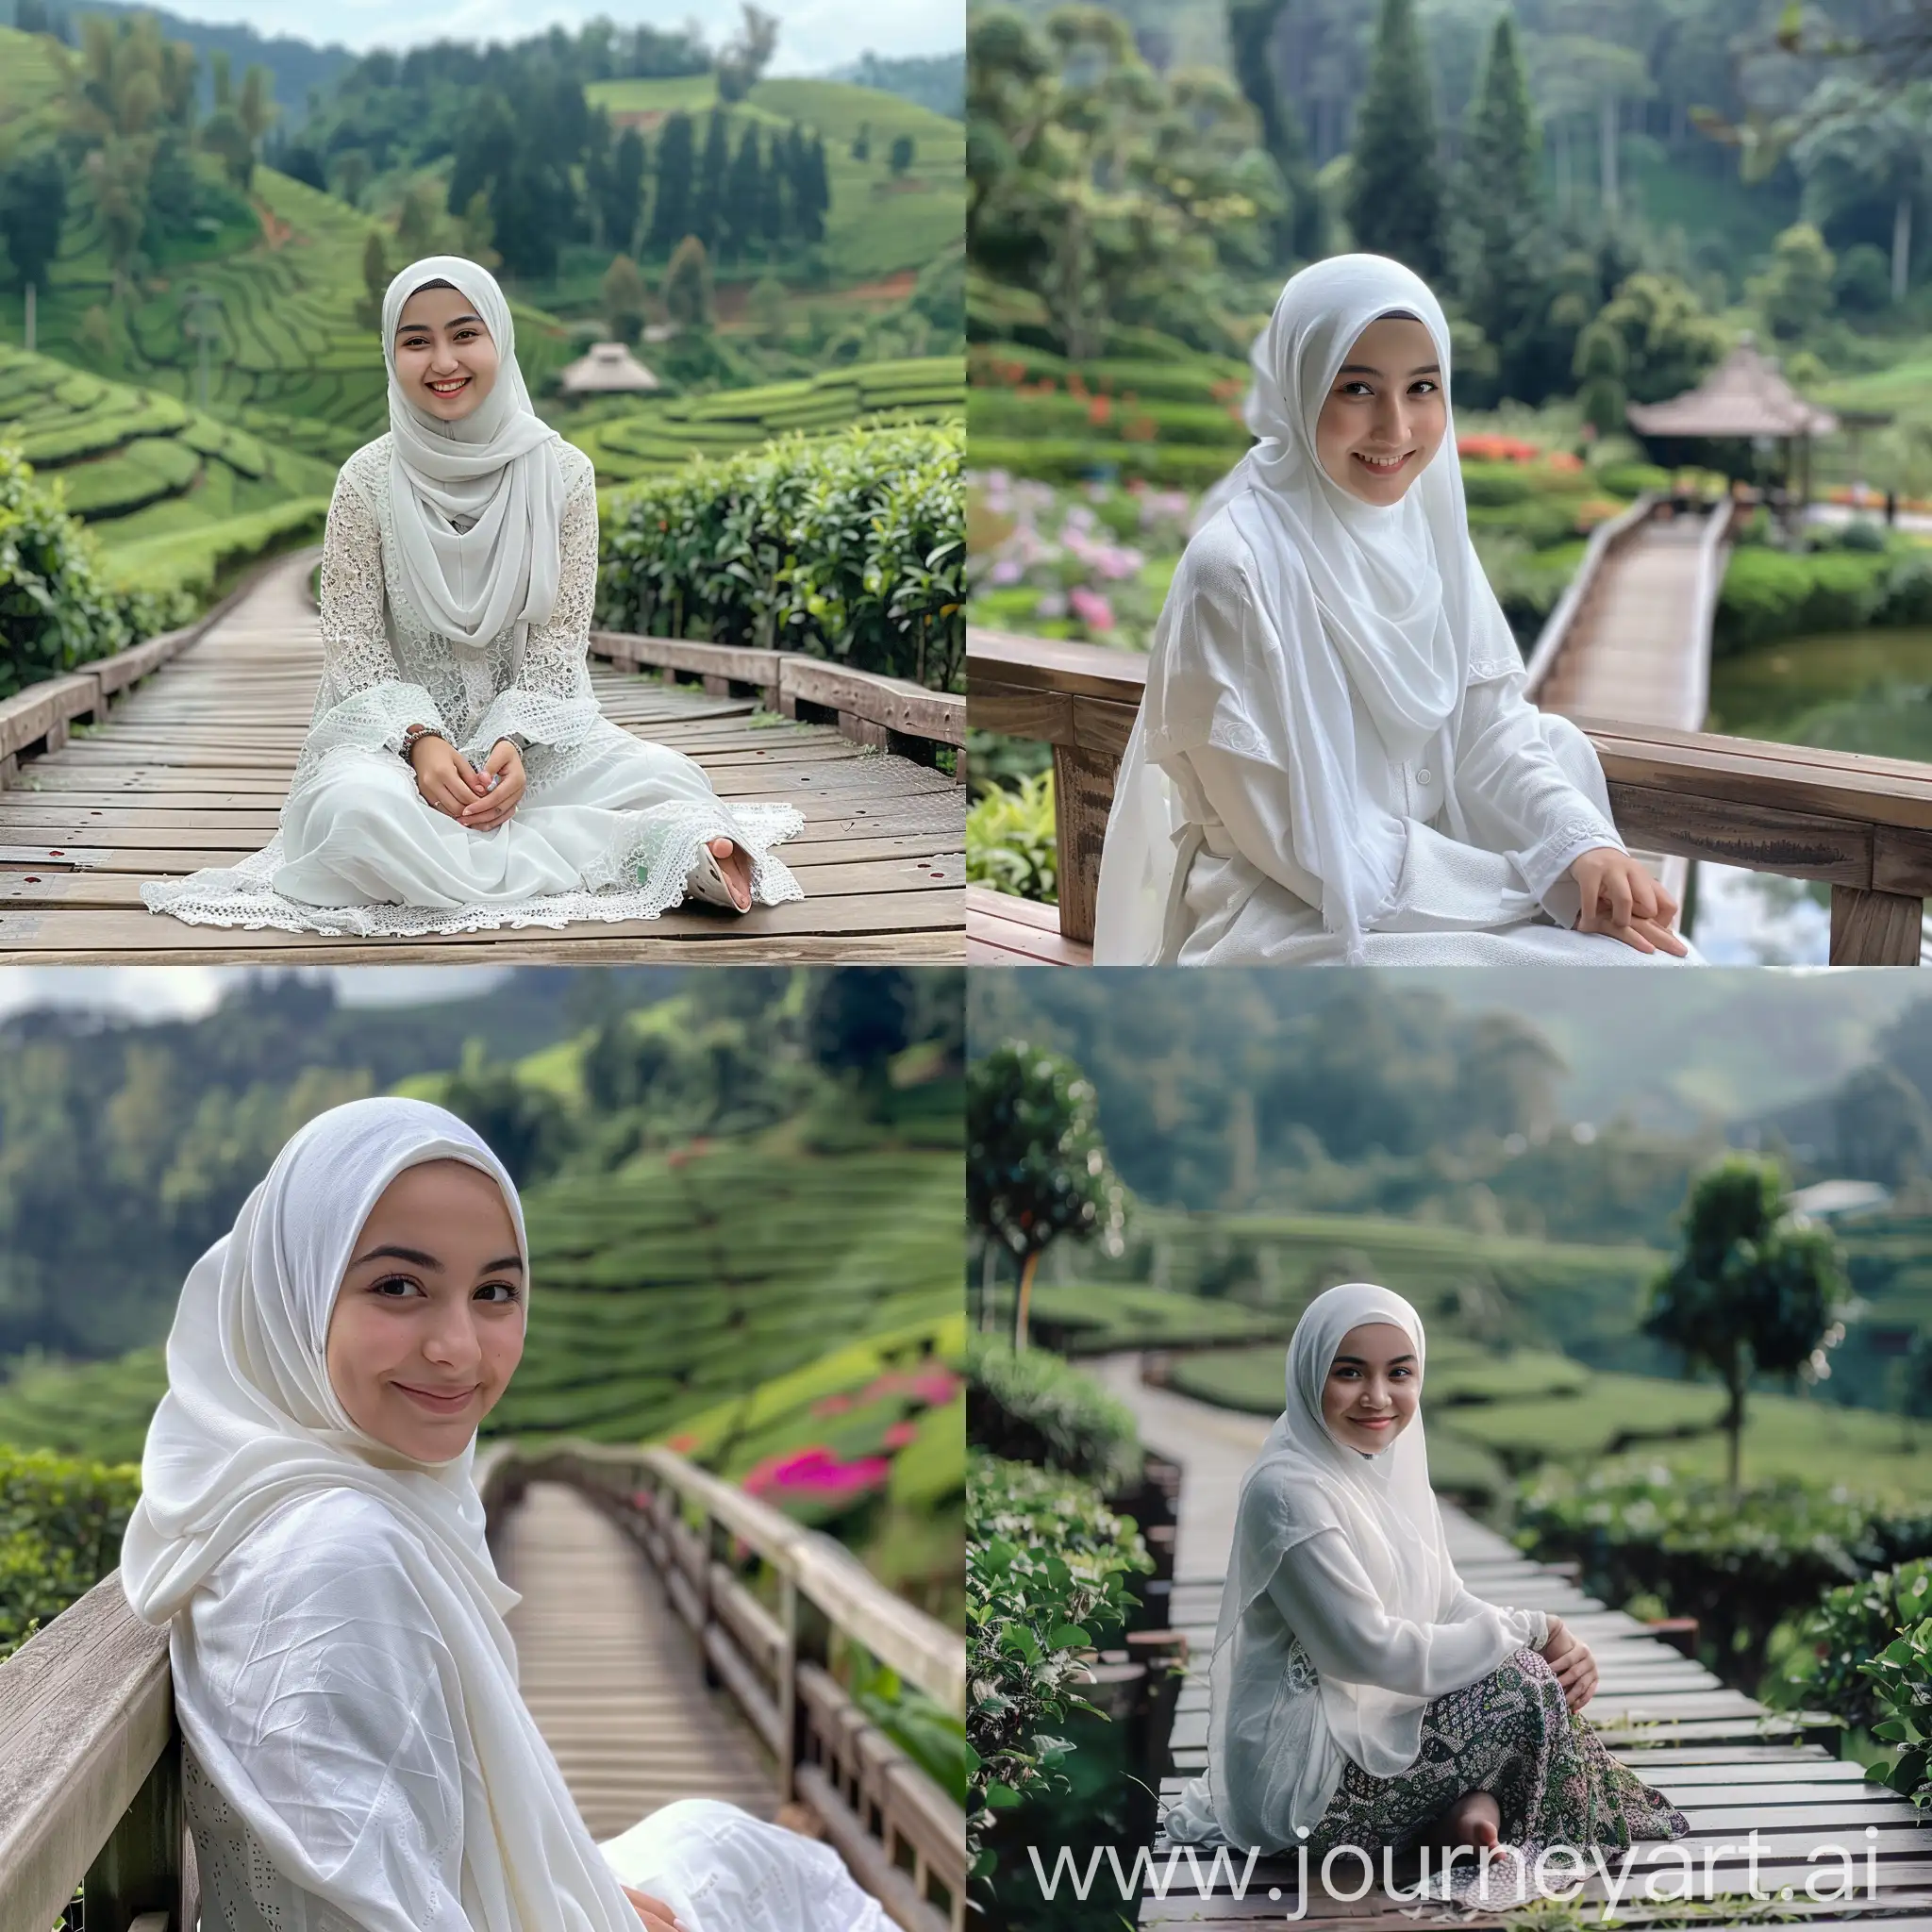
1862,825
91,1776
91,1756
887,713
902,1837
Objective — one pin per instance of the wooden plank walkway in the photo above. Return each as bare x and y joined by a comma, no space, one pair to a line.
190,771
611,1674
1728,1764
1634,653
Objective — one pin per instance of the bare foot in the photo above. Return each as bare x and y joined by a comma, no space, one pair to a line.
735,863
1475,1819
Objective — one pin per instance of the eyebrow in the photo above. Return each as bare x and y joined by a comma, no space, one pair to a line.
1357,1361
420,1259
402,328
1365,369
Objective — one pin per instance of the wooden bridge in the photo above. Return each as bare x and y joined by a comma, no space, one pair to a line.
1724,1761
109,784
654,1664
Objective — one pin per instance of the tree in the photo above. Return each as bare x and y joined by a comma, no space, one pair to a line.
1036,1166
742,62
861,142
817,202
376,276
1395,188
770,309
1870,145
742,213
688,286
1670,344
33,210
624,194
900,158
526,1127
417,222
1752,1292
1599,367
351,175
1884,1126
622,299
858,1020
772,196
1794,294
670,205
1498,239
707,197
1300,231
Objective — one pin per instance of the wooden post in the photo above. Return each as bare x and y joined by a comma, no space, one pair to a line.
1082,792
139,1870
789,1727
1876,928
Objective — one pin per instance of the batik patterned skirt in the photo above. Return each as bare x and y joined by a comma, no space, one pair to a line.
1512,1735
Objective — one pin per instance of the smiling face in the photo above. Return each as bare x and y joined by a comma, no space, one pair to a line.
445,358
428,1324
1373,1387
1385,413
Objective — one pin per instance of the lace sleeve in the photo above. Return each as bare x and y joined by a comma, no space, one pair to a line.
552,702
363,699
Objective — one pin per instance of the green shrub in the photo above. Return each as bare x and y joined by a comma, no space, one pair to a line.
1908,598
1902,1673
1490,484
1031,1407
56,607
1012,843
1740,1563
1047,1564
60,1525
1544,523
1849,1626
1629,479
1770,593
850,548
1071,459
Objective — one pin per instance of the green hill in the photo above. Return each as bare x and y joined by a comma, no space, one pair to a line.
287,343
878,226
171,492
660,436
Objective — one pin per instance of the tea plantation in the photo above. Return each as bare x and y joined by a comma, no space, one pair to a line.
661,435
170,491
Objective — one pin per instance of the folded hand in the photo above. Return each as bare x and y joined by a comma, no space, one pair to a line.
1570,1657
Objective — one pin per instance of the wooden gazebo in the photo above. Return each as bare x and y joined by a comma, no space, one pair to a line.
610,368
1743,397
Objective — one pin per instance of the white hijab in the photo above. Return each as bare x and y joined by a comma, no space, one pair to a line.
497,465
1265,1753
251,1423
1388,601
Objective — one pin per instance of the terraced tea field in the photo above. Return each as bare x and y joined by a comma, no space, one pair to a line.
679,1283
166,488
877,226
661,435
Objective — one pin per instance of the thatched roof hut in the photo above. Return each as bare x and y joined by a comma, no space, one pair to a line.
610,367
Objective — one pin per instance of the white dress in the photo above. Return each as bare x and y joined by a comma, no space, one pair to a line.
609,827
342,1725
1529,785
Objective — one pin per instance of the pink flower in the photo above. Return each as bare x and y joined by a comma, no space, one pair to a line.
817,1474
1090,608
831,1404
900,1434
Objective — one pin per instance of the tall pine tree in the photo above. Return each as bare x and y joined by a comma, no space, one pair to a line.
745,195
818,182
1499,232
1395,186
1301,232
671,205
623,195
708,199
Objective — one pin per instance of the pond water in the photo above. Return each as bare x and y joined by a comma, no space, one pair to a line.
1865,691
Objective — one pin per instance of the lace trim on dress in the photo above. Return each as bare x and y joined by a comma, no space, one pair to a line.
1561,848
666,845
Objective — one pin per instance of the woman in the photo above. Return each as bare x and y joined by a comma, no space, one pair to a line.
1358,1694
457,773
356,1754
1334,759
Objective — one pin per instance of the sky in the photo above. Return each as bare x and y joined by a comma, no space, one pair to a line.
155,992
814,34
